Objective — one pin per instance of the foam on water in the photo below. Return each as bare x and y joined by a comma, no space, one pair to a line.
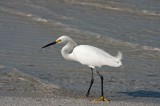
113,6
20,13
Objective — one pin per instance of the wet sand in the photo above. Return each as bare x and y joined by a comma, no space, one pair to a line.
19,89
63,101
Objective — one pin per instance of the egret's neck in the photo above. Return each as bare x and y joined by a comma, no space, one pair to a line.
67,50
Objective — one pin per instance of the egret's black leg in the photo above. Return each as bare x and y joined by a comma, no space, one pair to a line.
102,94
92,80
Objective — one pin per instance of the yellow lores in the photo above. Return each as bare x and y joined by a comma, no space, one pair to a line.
58,40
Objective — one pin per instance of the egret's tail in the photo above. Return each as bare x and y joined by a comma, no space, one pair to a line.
119,55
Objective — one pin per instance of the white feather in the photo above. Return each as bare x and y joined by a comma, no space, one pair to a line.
92,56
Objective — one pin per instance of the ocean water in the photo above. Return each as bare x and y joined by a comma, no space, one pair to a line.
132,27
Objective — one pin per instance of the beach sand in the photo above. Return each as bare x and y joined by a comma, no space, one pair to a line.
19,89
63,101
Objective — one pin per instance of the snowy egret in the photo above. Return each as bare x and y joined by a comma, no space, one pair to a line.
88,55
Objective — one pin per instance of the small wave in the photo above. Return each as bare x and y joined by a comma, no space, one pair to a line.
114,8
151,13
151,48
17,12
39,19
33,17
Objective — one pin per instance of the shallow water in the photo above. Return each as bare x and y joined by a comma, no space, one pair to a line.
128,26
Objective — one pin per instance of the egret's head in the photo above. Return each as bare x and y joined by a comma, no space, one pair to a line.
59,40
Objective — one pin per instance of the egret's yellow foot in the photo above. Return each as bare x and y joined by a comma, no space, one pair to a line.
101,99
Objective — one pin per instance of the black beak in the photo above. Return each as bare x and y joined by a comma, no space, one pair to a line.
52,43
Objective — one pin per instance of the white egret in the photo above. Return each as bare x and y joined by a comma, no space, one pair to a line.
88,55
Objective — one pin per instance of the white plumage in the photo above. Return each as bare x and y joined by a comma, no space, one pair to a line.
87,55
92,56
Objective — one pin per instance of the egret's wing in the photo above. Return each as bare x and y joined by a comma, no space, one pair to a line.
93,56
